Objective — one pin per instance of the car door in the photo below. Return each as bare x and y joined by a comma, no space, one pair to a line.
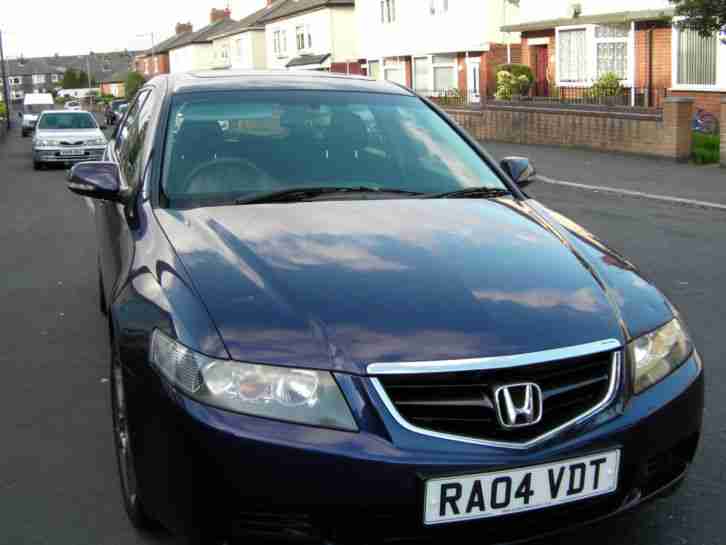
115,241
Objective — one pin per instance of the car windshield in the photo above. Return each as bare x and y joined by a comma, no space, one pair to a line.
67,121
34,109
224,146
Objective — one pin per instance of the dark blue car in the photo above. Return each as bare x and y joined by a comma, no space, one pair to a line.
334,317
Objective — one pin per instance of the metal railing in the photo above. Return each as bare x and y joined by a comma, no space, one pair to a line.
621,97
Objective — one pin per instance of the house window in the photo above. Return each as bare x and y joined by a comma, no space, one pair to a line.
276,42
438,6
310,37
374,69
284,41
572,47
38,79
393,71
696,58
611,43
444,68
300,37
388,11
54,78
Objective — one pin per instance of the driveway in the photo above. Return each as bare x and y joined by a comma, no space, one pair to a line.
58,483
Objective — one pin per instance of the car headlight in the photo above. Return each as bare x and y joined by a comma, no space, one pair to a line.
657,354
295,395
96,142
45,143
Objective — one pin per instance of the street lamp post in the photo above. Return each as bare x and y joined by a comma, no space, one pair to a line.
6,92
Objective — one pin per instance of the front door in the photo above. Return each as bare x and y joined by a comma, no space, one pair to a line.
473,80
542,61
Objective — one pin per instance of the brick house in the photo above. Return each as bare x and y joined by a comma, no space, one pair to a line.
569,46
437,46
115,84
155,61
195,50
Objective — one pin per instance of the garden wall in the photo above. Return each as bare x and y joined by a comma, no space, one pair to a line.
662,134
723,132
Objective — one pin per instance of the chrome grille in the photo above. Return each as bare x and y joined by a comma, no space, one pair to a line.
462,404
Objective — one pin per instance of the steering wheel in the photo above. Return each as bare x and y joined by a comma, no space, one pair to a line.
236,174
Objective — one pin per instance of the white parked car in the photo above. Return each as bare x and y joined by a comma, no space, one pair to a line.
33,105
73,105
65,136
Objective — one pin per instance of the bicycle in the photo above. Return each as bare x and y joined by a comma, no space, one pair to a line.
705,122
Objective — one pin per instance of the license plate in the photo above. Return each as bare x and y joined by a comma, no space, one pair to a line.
487,495
71,152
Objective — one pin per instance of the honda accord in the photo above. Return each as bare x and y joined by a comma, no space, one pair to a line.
333,316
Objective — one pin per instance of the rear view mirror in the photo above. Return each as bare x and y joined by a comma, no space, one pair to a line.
96,180
520,169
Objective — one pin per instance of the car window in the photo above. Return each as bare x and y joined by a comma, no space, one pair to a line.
132,136
225,145
67,121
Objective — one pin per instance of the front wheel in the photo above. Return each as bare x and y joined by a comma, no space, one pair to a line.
124,455
37,165
24,133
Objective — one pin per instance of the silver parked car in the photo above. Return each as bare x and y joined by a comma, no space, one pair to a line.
66,136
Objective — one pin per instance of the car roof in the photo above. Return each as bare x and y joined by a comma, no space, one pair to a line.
301,80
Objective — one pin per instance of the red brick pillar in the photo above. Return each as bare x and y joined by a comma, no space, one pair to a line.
677,125
723,131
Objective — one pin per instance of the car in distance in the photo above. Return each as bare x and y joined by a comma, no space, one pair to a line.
33,105
67,136
72,105
333,314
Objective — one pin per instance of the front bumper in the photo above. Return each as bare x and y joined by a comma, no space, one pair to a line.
202,467
54,155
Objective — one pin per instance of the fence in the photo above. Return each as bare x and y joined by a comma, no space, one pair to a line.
453,97
665,134
633,97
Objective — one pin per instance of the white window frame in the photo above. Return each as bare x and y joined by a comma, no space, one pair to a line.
388,12
38,79
591,55
430,83
54,78
300,36
719,87
438,7
276,42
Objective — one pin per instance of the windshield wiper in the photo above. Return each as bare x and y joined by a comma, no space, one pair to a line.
472,193
305,193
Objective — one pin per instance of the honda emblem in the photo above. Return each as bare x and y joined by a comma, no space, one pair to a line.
518,405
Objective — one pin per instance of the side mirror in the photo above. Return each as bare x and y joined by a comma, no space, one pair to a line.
520,169
97,180
20,115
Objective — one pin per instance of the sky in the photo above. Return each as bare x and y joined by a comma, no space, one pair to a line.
46,27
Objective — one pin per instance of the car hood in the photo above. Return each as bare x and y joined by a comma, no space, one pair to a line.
70,135
341,284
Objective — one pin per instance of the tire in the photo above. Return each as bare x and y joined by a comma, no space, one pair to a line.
124,455
24,133
37,165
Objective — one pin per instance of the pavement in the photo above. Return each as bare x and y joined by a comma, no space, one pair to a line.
632,173
58,483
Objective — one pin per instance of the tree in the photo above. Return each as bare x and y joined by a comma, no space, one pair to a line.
134,82
706,16
70,79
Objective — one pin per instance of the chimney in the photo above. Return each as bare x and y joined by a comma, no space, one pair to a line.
217,15
182,28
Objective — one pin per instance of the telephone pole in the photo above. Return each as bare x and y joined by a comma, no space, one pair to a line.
6,92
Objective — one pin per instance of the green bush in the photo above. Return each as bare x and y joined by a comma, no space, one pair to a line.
706,148
518,70
3,109
509,85
608,85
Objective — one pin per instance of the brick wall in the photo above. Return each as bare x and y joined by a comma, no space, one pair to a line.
528,56
723,131
668,135
351,68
